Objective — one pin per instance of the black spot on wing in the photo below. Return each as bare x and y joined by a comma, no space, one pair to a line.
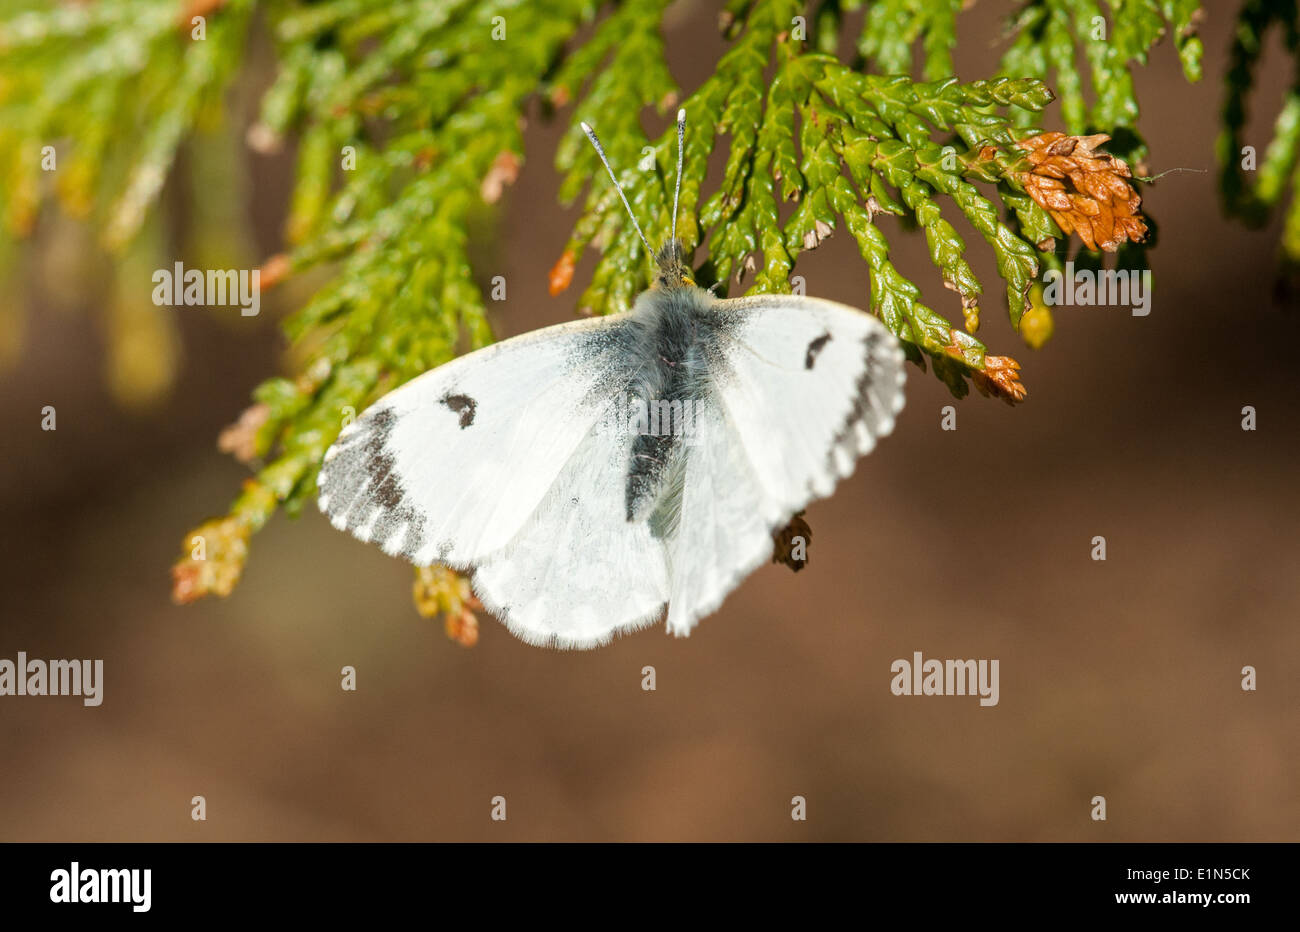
463,405
815,347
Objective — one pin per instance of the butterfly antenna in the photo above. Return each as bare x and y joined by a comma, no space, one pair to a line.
600,150
677,193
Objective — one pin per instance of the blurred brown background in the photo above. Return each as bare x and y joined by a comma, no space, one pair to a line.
1119,679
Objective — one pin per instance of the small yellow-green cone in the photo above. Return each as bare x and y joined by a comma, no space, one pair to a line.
1036,326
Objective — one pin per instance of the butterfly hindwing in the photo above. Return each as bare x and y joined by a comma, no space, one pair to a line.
719,534
579,572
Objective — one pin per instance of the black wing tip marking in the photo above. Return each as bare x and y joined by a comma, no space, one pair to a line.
361,491
878,397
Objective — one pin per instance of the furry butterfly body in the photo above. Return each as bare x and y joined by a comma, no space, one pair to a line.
517,462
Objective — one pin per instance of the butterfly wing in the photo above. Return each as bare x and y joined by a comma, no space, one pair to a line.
810,386
802,388
579,572
450,465
503,459
719,529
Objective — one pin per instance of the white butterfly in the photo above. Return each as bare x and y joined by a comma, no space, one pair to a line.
593,473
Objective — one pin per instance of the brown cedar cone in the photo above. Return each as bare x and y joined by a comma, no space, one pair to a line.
1098,203
784,540
215,553
441,590
1001,377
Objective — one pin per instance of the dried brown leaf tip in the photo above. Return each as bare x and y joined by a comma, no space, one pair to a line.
562,273
240,438
1000,377
1084,190
790,544
504,171
814,237
193,8
274,270
442,591
462,628
217,552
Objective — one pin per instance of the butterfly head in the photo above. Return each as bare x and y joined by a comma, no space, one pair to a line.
673,266
674,269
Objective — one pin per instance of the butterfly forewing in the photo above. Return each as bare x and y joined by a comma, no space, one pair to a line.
449,466
810,386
